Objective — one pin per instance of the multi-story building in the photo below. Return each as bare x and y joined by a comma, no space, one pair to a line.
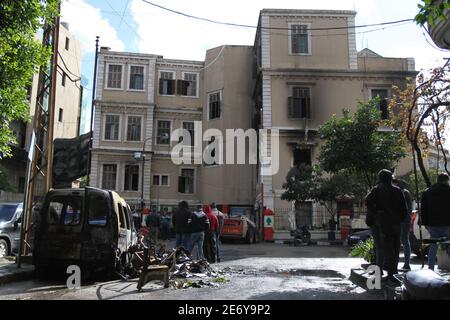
67,111
308,69
302,69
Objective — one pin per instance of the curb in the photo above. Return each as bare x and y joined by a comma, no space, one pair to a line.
17,276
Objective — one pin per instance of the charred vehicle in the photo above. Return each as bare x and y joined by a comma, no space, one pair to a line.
88,227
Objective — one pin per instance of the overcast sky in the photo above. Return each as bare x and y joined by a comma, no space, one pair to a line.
135,26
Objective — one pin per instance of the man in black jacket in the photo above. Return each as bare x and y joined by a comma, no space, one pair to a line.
435,213
181,221
199,225
387,207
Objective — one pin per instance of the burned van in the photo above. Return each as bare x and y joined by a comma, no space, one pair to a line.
88,227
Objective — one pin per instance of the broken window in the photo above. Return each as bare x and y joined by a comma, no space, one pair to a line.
299,103
302,156
99,209
383,95
187,86
65,210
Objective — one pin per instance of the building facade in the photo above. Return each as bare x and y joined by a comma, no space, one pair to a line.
67,111
302,69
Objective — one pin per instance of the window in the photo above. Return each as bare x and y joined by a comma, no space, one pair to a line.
163,134
166,83
65,210
112,123
189,126
60,115
131,178
67,43
114,76
188,86
214,104
160,180
299,39
302,156
136,78
383,94
98,209
134,128
186,181
299,103
109,176
63,79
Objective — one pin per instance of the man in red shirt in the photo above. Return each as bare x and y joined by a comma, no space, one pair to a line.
209,246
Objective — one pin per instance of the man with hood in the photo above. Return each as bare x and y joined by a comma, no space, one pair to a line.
386,209
199,225
219,216
209,247
181,223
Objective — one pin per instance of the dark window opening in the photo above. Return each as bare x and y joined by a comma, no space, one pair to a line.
98,208
382,94
60,115
214,105
163,133
299,104
63,79
186,181
65,210
166,83
131,178
67,43
302,156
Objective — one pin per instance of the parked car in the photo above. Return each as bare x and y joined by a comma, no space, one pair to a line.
358,236
10,221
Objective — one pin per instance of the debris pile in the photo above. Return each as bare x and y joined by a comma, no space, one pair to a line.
172,266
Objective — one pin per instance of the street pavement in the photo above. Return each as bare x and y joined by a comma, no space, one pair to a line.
258,271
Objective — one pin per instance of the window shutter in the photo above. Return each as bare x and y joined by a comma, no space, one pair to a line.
180,184
308,107
290,107
161,84
180,87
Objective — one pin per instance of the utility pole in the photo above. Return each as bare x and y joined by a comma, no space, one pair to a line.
41,148
91,132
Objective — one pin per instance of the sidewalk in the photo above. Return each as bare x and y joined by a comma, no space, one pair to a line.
9,271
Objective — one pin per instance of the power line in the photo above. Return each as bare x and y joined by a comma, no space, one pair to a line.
68,70
123,14
269,28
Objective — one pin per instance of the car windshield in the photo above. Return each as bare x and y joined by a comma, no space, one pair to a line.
7,211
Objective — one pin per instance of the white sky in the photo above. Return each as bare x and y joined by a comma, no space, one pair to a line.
161,32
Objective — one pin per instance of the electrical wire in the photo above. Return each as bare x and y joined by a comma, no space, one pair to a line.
269,28
67,68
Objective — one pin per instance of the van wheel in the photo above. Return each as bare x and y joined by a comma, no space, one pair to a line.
4,248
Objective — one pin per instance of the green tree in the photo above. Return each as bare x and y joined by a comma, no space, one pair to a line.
21,54
431,11
355,145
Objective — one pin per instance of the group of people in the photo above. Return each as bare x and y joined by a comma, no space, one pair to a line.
389,209
199,230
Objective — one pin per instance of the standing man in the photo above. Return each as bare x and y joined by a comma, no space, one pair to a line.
152,222
165,225
199,224
181,223
435,213
405,224
209,247
387,208
219,216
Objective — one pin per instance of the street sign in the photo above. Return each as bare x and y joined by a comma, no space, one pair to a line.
268,221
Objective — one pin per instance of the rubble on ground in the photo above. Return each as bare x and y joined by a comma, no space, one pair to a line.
183,271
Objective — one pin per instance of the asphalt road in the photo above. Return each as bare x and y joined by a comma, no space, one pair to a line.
259,271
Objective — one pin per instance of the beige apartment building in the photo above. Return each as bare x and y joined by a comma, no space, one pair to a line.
67,111
302,69
309,69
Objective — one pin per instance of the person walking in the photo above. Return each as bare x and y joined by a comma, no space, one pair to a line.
218,232
405,225
153,223
181,223
209,246
199,224
386,209
435,214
